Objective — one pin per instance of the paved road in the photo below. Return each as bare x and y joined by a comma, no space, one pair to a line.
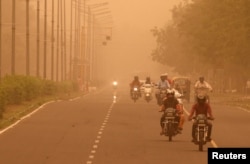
95,129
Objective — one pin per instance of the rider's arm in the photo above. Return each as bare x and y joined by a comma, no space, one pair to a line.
192,112
168,84
209,111
209,86
196,85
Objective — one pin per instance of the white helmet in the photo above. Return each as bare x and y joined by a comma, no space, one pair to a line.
170,91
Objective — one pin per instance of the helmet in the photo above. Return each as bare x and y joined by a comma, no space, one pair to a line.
148,78
136,78
170,92
201,98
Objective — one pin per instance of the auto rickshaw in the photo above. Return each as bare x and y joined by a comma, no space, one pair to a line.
183,84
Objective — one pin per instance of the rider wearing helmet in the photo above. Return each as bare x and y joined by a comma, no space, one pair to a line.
171,102
135,83
201,107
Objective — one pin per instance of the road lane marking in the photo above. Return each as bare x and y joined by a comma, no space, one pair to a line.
244,109
100,132
26,116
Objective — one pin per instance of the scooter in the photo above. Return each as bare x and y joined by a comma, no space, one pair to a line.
148,92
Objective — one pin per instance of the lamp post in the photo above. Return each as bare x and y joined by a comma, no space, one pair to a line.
97,25
93,11
27,40
13,37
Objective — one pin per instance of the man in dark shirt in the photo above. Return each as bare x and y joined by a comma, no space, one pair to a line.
201,107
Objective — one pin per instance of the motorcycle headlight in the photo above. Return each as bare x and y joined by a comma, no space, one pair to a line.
135,89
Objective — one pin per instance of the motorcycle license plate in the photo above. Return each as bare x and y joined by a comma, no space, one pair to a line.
170,114
168,118
201,121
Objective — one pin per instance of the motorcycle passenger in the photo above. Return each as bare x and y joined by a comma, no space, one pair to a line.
201,107
162,84
171,102
135,83
148,80
168,79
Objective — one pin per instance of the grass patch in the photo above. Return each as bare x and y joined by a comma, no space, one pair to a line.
232,99
13,113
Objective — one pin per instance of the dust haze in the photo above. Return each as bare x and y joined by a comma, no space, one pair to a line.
127,53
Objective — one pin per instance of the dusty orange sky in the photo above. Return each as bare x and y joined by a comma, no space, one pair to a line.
128,53
132,41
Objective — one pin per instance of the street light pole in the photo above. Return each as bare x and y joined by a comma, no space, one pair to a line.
57,43
27,40
0,39
13,37
52,42
45,40
38,40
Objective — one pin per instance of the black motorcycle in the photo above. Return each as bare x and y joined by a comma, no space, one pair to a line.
170,123
201,130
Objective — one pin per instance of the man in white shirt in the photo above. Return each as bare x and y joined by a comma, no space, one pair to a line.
202,88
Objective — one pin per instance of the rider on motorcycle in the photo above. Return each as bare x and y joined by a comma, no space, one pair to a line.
162,84
201,83
201,107
135,83
171,102
202,87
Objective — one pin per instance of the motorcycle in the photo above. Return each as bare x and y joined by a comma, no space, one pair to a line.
201,130
148,92
135,93
170,123
115,84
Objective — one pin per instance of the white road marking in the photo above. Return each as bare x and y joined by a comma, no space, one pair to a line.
28,115
100,132
244,109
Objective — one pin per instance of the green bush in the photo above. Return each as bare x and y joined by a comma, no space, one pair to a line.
2,102
18,88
